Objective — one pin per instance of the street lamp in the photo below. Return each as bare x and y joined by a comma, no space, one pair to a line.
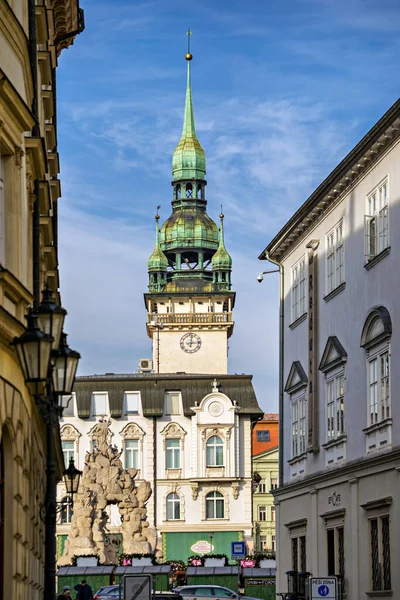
72,477
49,367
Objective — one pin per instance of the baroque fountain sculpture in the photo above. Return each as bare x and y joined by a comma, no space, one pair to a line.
105,482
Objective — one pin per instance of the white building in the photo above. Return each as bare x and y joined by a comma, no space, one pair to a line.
183,422
338,506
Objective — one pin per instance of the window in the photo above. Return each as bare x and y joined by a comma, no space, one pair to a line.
377,221
68,449
334,258
273,514
263,542
299,553
131,403
172,403
66,511
262,513
274,483
335,542
215,451
173,454
215,505
99,404
335,406
378,388
263,435
379,528
299,289
173,507
299,424
131,454
273,543
262,488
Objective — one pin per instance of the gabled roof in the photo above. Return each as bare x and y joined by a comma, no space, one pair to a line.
333,355
297,378
265,452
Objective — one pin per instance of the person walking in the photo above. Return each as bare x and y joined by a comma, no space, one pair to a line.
84,590
66,593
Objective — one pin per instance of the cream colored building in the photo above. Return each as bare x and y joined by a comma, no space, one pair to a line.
338,504
264,522
32,35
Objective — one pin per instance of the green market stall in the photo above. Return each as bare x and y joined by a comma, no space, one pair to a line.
260,583
160,573
183,545
95,576
226,576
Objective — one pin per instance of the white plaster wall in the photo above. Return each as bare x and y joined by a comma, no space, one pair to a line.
345,314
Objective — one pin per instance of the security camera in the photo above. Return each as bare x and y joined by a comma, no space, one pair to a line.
260,278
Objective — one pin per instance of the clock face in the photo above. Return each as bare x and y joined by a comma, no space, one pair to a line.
190,342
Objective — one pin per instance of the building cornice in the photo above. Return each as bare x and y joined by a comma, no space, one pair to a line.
384,134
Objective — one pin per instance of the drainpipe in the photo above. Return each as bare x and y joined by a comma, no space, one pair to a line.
281,364
155,470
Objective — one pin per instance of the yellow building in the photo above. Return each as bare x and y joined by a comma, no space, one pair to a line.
32,35
266,465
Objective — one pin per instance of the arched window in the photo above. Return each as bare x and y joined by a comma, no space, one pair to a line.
375,339
215,451
173,507
178,191
189,190
66,511
199,189
215,505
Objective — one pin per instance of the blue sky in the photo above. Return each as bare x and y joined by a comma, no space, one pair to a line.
282,91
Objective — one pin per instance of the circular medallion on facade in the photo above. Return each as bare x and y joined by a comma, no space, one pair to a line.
215,409
190,342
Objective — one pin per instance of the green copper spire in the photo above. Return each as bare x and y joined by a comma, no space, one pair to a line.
221,259
157,261
189,160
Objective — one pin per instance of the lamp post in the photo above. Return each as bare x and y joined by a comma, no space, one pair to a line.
49,367
211,535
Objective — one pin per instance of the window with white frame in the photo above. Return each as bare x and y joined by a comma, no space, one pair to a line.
379,531
262,513
377,221
262,487
273,543
299,285
173,453
299,425
274,483
334,258
131,454
335,390
215,505
99,404
66,511
173,507
378,387
273,514
263,542
131,403
68,449
215,451
172,403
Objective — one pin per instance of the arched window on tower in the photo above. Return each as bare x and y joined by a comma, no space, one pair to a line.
178,191
189,190
199,191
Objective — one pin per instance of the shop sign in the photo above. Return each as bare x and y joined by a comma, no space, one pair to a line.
248,564
260,581
202,547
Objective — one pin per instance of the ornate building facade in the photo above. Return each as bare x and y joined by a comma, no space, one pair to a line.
32,35
182,421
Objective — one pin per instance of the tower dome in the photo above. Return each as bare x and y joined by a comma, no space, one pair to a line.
221,261
157,261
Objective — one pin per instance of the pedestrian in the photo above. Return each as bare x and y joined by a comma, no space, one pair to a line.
66,593
84,590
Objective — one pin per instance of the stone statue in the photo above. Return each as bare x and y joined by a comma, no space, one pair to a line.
105,482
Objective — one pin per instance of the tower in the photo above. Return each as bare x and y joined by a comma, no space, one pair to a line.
189,302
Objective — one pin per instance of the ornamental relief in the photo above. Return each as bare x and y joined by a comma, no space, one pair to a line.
173,431
132,431
69,432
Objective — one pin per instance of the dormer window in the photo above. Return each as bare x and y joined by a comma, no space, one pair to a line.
99,404
132,403
172,403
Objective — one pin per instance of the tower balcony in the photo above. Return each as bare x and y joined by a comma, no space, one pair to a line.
186,318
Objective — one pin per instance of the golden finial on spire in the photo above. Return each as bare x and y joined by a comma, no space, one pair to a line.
188,55
221,215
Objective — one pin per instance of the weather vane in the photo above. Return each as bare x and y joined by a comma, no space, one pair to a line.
188,56
157,215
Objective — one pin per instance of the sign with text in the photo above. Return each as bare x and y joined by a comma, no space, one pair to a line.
238,550
137,587
323,587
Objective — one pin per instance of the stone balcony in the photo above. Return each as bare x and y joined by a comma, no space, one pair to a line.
183,318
